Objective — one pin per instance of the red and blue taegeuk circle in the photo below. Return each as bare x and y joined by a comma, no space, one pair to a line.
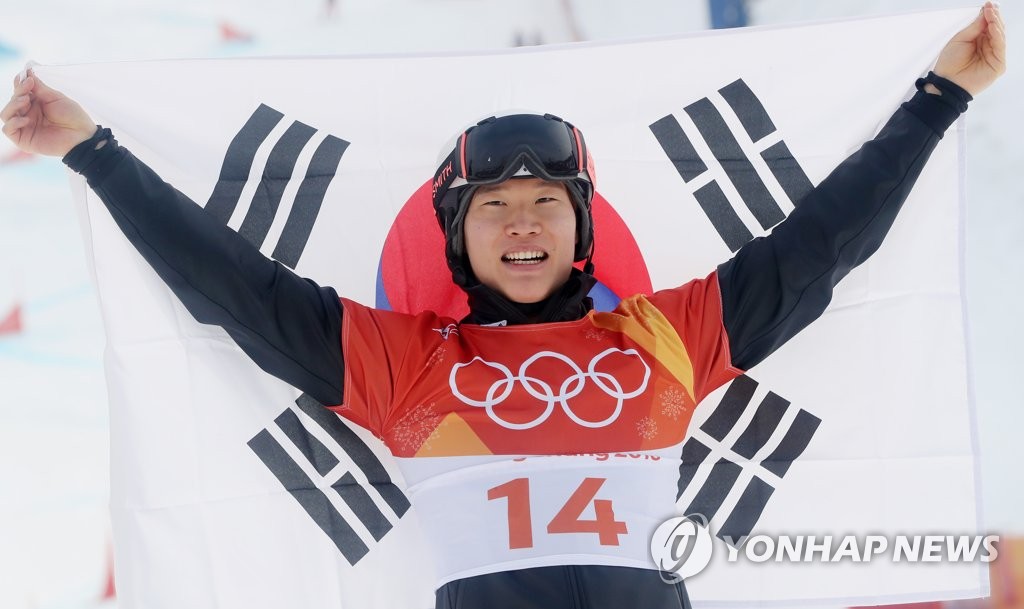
412,275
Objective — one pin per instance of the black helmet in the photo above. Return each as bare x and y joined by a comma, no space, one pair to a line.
499,148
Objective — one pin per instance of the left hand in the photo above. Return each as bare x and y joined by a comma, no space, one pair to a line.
976,56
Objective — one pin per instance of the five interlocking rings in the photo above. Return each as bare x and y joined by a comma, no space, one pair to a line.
570,388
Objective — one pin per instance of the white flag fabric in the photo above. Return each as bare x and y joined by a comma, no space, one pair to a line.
873,415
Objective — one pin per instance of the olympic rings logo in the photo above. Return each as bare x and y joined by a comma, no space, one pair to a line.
570,388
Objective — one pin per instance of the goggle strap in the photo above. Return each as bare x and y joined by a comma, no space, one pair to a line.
581,160
462,154
444,177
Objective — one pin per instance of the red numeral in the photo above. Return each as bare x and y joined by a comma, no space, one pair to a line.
520,527
567,520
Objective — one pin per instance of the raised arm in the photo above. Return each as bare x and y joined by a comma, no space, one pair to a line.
776,285
288,325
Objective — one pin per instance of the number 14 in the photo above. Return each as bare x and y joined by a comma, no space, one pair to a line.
567,520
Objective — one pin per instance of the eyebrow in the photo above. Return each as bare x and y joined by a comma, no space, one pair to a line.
489,188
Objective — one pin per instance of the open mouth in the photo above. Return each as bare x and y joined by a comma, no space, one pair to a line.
525,258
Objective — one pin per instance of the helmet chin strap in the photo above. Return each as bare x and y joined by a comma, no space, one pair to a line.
588,266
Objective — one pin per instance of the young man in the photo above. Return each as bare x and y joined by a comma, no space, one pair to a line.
521,394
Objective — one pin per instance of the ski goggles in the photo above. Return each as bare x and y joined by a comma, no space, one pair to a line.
496,149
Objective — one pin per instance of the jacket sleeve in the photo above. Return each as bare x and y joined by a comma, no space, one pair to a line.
776,285
289,326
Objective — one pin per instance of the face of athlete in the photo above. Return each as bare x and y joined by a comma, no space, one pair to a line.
521,237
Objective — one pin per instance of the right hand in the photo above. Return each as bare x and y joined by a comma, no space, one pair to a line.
976,56
41,120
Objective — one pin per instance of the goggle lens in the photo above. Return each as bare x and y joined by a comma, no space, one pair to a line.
494,149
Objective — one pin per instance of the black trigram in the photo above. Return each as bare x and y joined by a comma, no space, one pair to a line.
726,470
276,174
333,474
737,166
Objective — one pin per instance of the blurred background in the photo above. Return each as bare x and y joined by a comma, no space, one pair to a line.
55,548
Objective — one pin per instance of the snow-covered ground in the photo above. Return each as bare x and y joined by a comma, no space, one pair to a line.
53,433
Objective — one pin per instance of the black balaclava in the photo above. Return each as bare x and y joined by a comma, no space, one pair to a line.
486,306
570,302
